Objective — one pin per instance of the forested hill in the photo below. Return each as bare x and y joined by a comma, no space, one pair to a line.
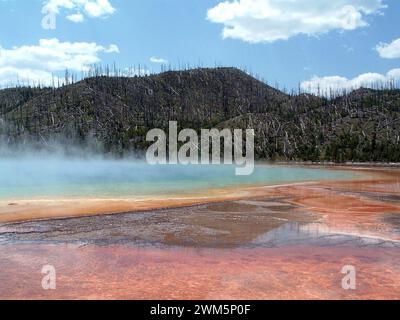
118,111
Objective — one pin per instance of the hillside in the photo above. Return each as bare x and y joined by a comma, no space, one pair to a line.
118,112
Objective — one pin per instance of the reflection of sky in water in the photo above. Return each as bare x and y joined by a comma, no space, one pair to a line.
294,233
113,178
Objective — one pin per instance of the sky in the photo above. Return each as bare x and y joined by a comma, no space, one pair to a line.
315,44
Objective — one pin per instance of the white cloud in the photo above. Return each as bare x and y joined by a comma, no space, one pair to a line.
323,85
79,8
36,63
158,60
258,21
98,8
76,17
389,50
112,49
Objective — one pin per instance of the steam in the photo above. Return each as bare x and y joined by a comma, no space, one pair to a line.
57,145
61,167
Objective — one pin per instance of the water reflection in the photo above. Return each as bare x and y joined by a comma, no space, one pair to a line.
293,233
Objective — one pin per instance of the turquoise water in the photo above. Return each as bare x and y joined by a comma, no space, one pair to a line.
31,178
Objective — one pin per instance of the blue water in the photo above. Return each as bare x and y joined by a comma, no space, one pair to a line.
31,178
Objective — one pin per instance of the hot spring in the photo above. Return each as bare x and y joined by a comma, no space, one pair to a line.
48,177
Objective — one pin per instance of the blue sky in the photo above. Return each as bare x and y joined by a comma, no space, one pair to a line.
328,44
